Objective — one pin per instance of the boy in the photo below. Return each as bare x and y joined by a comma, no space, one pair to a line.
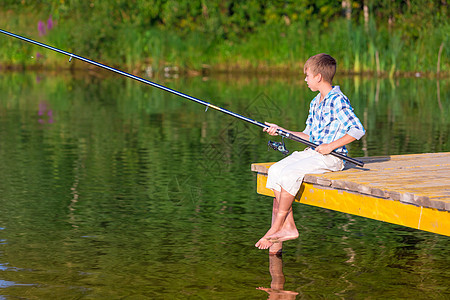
331,124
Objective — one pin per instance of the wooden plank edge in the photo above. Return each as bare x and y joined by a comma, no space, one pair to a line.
407,198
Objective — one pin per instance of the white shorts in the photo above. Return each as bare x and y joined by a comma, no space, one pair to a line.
288,173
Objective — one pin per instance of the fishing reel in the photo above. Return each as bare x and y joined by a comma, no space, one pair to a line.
279,146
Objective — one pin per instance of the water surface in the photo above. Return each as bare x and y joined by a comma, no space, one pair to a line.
110,189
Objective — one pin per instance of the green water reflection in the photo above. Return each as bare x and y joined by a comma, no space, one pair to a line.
110,189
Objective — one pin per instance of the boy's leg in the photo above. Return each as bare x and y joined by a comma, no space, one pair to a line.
283,225
263,243
275,172
283,228
289,172
276,248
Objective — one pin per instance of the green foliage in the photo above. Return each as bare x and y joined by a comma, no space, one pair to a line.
395,36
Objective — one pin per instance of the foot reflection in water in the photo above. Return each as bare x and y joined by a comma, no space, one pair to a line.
276,290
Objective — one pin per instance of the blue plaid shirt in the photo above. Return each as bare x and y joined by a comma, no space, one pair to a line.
331,119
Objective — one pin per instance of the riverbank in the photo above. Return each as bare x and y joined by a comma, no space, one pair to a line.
195,42
169,71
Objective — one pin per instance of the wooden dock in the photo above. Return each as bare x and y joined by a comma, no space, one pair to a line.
409,190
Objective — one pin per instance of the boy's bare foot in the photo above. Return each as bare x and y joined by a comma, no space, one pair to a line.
264,243
283,235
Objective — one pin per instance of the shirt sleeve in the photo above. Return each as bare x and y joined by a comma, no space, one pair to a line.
349,120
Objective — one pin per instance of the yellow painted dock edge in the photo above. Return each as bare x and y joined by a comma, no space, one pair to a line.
380,209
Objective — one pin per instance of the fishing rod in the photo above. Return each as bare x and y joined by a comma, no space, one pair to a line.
274,145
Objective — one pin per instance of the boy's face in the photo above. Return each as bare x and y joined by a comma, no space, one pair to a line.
311,80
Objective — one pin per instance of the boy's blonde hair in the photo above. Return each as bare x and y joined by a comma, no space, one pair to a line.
321,63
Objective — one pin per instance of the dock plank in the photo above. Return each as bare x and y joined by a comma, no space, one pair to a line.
419,179
410,190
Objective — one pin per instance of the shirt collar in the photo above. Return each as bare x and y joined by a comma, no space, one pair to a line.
335,90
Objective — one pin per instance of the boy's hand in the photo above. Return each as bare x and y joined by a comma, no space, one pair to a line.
272,129
324,149
327,148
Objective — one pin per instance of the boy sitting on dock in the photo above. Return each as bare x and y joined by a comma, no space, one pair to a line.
331,124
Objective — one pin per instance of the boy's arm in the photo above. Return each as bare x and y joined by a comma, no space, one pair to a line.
327,148
348,119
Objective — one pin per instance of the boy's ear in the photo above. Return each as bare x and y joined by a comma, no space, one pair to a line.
319,77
